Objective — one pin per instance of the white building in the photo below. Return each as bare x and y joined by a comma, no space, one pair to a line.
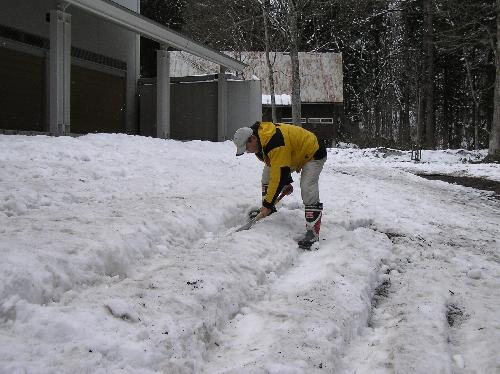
321,85
73,66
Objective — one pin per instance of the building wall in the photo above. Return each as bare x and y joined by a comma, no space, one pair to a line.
321,75
324,120
188,121
321,78
200,122
88,32
22,83
244,103
89,90
129,4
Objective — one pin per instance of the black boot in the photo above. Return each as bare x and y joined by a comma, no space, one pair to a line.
313,215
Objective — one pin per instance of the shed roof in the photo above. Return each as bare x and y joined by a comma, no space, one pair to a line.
144,26
321,76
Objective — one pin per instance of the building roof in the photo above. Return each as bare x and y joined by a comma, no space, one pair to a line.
133,21
321,74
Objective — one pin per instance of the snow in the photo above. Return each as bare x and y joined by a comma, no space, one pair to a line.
280,99
119,255
455,162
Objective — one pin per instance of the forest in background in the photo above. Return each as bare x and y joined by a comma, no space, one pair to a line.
417,73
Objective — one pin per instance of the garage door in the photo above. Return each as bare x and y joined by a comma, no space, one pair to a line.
97,101
22,91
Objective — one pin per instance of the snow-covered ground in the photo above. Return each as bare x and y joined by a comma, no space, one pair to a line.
119,255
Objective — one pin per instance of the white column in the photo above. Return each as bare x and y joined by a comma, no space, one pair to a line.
133,73
222,105
60,72
163,93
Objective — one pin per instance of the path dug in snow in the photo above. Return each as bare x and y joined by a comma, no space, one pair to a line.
308,314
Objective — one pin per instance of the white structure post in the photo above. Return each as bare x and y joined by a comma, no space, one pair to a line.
222,105
133,73
60,72
163,93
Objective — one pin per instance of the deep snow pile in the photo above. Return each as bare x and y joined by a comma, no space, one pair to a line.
119,255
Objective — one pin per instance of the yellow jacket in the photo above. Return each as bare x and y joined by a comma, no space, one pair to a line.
284,148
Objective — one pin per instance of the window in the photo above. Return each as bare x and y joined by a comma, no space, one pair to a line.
325,121
289,120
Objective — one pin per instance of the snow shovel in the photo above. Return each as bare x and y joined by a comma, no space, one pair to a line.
250,223
259,216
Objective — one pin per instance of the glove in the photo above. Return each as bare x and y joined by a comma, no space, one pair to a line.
253,213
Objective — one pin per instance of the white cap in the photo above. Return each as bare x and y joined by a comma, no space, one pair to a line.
241,137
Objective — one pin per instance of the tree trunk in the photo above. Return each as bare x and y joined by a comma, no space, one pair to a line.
429,74
400,128
447,108
388,123
475,111
457,130
475,106
294,56
447,122
270,70
405,104
406,120
420,118
377,121
494,149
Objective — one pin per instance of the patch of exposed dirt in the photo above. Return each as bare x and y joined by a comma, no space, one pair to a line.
381,292
454,315
478,183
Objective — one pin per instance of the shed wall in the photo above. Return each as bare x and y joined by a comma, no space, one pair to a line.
194,111
244,102
194,108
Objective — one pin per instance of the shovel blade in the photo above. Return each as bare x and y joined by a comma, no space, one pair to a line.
250,223
246,226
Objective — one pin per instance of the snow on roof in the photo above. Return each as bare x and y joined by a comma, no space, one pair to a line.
279,99
320,73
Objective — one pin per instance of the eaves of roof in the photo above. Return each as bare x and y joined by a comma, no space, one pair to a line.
144,26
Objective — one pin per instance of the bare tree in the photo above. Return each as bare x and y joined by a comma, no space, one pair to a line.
412,68
294,32
475,99
234,25
494,148
286,16
429,73
267,40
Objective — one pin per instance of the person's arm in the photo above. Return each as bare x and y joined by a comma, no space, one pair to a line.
279,174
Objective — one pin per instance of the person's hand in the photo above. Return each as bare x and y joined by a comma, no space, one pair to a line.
264,212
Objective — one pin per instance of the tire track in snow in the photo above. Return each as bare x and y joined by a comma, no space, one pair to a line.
448,262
